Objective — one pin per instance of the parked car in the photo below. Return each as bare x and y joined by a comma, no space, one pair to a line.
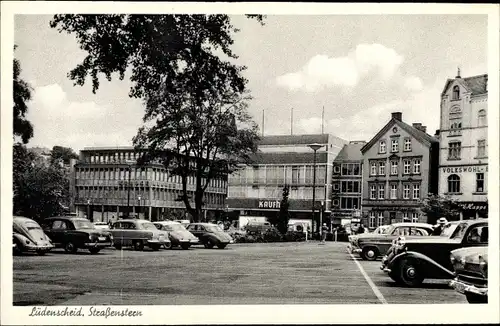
210,235
471,273
73,233
177,234
370,246
381,229
410,261
28,236
138,233
101,225
184,223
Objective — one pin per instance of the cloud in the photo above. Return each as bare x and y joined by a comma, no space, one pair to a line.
413,83
60,121
322,72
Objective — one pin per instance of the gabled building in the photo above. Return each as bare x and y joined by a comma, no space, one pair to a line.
463,169
399,169
347,184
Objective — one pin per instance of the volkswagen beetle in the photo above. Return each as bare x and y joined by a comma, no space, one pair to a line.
28,236
177,234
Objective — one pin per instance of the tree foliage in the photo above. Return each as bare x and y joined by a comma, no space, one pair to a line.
62,154
22,95
437,206
182,68
40,189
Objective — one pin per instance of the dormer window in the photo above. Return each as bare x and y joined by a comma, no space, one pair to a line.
456,92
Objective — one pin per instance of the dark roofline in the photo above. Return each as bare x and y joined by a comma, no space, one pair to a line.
461,80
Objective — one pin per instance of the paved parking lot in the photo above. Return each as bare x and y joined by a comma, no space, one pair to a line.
240,274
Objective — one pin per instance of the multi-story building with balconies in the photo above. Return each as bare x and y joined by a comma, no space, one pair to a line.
108,184
256,190
399,169
463,169
347,183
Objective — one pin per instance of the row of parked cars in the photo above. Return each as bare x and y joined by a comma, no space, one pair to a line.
73,233
410,254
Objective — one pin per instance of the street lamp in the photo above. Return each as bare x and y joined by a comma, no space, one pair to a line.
129,163
315,148
88,208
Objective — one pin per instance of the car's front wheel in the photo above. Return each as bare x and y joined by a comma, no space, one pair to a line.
475,298
369,253
209,244
138,245
70,247
410,273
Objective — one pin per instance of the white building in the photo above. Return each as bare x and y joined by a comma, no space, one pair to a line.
463,161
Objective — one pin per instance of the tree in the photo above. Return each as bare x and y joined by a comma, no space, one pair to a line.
62,154
284,215
22,94
436,206
39,189
195,98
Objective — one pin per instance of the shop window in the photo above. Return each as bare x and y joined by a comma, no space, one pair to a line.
480,182
406,217
371,220
380,218
453,183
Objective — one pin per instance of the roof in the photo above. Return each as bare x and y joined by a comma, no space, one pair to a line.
131,220
350,152
414,132
295,139
477,85
413,224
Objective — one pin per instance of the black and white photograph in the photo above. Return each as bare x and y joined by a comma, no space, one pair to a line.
196,163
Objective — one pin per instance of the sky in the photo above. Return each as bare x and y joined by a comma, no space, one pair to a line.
359,68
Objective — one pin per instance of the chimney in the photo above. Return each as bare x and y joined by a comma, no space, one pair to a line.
397,116
437,133
418,125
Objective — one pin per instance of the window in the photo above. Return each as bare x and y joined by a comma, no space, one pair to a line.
381,192
394,191
478,234
350,186
295,174
406,191
454,150
407,147
416,191
349,202
481,148
336,169
416,167
380,218
405,217
336,186
351,169
406,167
373,192
456,92
394,145
381,168
481,117
456,128
453,183
59,225
373,168
479,182
394,167
382,147
371,220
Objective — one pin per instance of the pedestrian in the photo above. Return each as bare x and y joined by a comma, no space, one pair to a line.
361,228
440,226
324,231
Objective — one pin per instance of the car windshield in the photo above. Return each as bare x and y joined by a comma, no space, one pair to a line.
148,226
389,229
448,230
32,226
83,224
173,227
460,231
213,228
381,230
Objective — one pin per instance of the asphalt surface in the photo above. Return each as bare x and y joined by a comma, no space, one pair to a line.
279,273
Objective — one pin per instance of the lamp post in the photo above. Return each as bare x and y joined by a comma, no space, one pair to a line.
88,208
138,213
315,148
129,164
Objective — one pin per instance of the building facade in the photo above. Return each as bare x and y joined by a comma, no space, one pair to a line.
256,190
399,169
347,184
463,169
109,184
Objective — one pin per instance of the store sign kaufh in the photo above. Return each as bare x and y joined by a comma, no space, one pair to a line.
271,204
